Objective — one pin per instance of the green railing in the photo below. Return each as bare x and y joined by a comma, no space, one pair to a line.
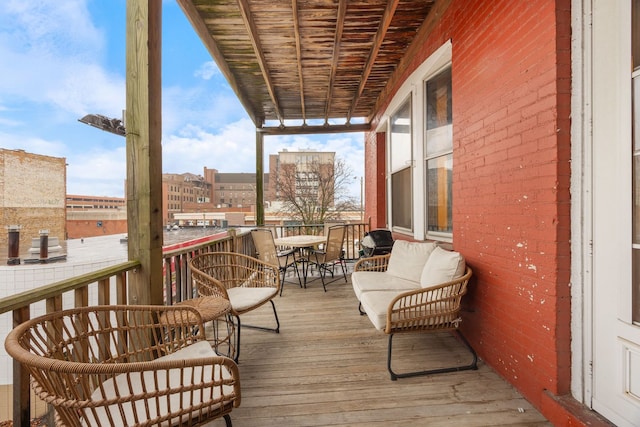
109,286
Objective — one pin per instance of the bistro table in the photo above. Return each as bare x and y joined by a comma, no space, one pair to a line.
301,243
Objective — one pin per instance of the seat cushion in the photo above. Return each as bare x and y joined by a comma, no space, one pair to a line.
375,304
366,281
441,267
244,298
145,382
408,259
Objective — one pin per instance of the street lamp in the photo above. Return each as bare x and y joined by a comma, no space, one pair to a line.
104,123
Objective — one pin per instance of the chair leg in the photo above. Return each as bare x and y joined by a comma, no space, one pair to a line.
362,313
473,365
262,328
237,355
227,420
284,272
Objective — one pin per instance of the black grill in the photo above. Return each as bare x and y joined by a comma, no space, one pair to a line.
377,242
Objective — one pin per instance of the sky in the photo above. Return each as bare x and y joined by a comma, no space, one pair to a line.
62,59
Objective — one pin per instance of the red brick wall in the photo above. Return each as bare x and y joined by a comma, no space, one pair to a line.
511,94
374,185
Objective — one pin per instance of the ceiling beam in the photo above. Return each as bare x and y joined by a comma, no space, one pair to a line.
342,11
201,29
319,129
257,48
296,30
385,22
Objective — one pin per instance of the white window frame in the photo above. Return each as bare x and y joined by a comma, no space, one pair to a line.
414,87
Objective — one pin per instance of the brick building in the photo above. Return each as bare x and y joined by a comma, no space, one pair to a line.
32,195
89,216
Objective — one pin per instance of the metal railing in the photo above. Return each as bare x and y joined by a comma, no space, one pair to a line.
109,286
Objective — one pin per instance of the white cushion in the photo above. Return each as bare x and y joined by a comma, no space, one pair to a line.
408,258
242,298
365,281
132,383
375,304
441,267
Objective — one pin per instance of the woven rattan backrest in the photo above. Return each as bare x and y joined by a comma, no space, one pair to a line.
265,246
335,240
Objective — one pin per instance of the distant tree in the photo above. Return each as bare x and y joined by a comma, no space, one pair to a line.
315,192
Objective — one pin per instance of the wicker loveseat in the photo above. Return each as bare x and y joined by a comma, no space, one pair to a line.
126,365
416,288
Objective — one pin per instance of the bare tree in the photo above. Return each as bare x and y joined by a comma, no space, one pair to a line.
315,192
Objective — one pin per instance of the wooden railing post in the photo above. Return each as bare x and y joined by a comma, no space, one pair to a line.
21,393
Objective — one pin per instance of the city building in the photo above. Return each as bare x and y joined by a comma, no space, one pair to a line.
90,216
297,172
32,196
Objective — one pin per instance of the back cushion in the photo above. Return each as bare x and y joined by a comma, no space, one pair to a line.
441,267
408,259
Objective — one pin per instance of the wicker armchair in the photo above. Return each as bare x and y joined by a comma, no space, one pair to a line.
432,309
246,282
126,365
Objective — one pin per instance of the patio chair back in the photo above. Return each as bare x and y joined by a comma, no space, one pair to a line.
265,246
335,241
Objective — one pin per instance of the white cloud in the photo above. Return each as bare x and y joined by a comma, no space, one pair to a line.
97,172
33,145
51,52
207,70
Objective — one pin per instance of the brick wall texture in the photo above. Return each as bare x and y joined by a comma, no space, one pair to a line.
32,195
511,128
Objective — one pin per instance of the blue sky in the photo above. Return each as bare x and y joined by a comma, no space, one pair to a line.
62,59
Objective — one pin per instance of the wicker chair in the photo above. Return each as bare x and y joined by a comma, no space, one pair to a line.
267,252
126,365
331,254
433,309
247,282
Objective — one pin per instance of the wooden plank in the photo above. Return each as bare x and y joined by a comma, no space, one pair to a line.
327,367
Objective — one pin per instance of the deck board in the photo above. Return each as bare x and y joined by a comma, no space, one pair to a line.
327,367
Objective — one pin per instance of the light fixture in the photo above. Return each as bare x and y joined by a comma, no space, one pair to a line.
104,123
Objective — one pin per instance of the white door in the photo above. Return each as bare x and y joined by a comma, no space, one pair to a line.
615,317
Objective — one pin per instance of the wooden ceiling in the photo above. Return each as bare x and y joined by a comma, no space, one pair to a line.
305,66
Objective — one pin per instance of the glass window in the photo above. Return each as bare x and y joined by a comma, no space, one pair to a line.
439,153
400,163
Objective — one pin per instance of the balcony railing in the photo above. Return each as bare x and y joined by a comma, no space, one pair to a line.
109,286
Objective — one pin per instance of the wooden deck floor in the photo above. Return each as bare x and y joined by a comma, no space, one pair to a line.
327,367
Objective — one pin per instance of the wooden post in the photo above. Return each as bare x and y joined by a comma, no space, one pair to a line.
260,178
143,122
21,390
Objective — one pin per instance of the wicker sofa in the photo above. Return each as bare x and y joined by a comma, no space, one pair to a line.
418,287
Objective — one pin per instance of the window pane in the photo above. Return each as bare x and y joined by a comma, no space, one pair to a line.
439,198
439,140
401,199
401,137
439,112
